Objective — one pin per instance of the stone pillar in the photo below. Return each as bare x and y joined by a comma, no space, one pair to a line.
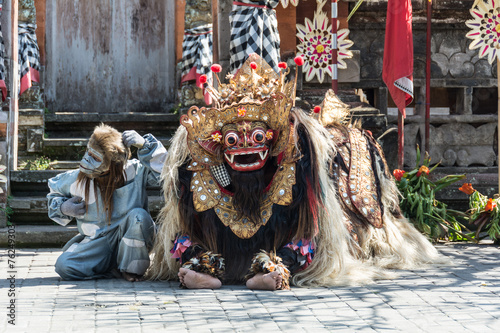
420,101
381,95
464,100
196,14
31,98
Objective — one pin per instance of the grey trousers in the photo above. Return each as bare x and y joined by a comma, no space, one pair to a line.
124,246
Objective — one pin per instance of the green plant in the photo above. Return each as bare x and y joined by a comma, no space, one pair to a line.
419,204
3,178
40,163
483,212
175,109
7,210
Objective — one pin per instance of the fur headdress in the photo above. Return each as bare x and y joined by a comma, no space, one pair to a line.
109,141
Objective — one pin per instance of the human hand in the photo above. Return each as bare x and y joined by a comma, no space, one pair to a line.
132,138
73,207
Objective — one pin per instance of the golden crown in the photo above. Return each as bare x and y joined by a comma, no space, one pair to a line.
255,93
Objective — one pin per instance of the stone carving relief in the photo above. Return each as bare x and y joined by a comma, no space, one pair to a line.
27,11
454,144
197,13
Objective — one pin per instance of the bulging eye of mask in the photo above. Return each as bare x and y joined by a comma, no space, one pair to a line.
92,163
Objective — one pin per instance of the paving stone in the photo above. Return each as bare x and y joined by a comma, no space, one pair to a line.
448,298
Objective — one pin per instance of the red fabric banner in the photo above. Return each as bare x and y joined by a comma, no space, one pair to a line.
397,71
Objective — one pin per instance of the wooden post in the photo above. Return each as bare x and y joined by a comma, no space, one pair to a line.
223,36
401,140
428,78
335,84
215,32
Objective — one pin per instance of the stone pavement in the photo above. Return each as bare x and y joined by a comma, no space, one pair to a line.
464,297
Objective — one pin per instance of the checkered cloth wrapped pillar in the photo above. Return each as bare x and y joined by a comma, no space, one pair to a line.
254,29
197,51
197,55
29,56
3,87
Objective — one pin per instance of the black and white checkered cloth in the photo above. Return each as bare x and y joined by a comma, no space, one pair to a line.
197,50
254,30
2,55
220,174
29,54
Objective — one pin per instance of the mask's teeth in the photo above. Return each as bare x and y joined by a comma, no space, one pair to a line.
230,157
263,154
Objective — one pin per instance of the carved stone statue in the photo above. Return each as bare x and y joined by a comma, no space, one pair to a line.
27,11
197,13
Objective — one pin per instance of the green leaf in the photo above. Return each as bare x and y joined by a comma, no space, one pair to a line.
418,156
356,6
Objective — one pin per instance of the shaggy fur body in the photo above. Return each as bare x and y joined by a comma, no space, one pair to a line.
316,213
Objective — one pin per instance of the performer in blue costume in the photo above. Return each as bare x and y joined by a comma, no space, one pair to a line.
108,198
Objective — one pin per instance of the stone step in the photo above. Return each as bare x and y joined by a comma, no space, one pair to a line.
82,142
77,125
483,179
33,209
29,189
38,235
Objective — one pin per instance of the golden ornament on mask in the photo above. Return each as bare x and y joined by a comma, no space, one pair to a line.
262,93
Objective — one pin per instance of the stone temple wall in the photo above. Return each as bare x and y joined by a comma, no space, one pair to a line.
463,87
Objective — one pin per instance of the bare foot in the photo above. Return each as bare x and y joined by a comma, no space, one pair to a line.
269,281
132,277
195,280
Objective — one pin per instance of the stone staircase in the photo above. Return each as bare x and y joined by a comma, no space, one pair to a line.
62,139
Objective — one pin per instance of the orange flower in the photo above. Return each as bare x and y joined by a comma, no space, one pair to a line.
269,134
467,188
423,169
398,174
490,205
242,112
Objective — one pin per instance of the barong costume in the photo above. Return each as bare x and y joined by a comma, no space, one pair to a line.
327,212
125,241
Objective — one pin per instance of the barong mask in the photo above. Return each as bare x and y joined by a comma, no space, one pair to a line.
246,145
250,117
248,125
